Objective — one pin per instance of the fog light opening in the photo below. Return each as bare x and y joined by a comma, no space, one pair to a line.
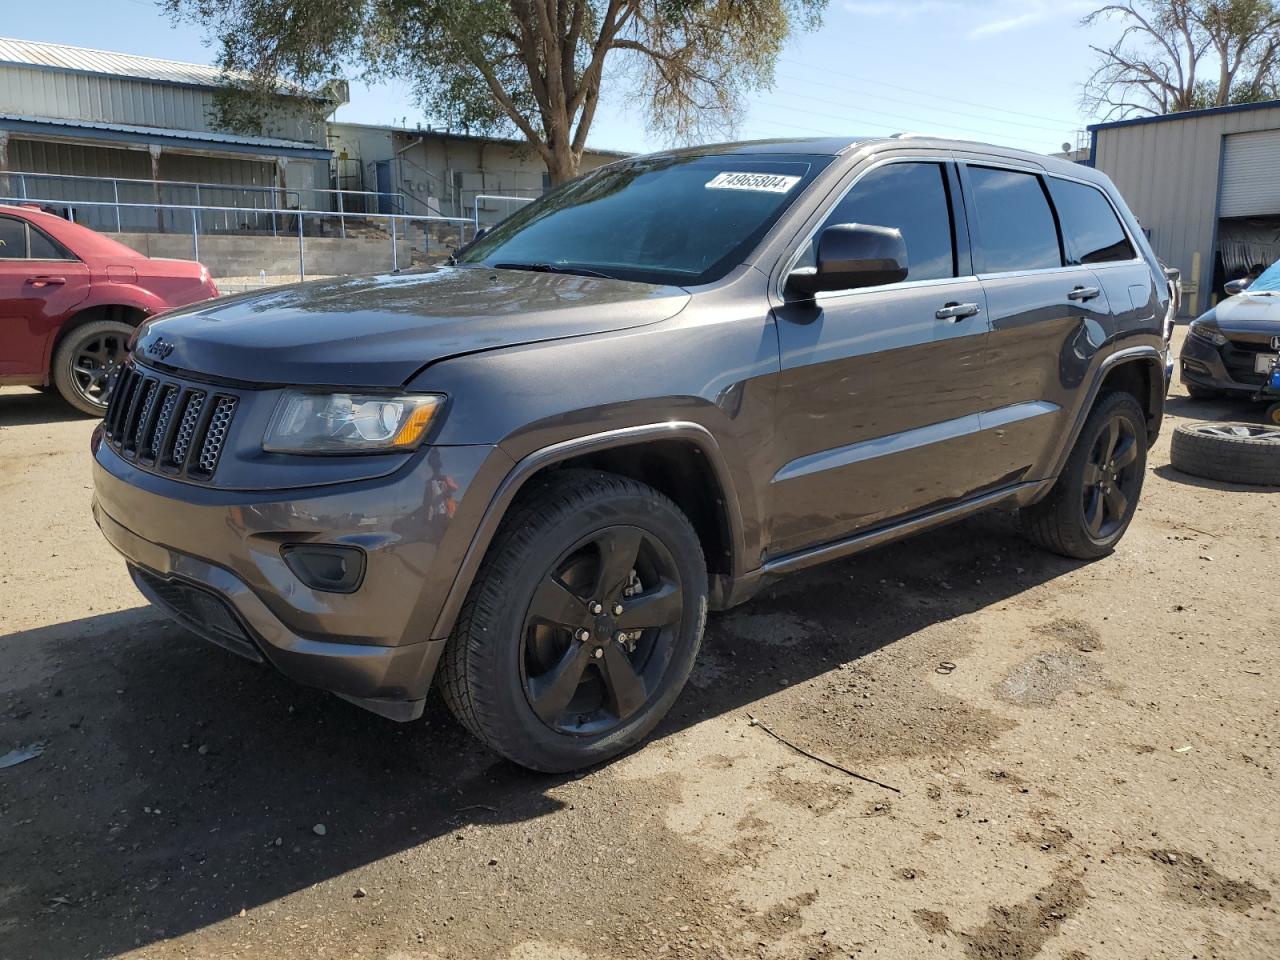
326,567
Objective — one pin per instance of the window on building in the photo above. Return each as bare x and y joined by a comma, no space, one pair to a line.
911,197
1091,231
13,239
1016,230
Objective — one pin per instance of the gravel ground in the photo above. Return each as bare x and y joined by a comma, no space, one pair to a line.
1095,778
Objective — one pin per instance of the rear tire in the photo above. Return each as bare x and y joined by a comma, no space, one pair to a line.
85,363
1094,499
532,669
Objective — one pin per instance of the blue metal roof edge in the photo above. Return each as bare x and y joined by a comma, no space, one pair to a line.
1186,115
112,133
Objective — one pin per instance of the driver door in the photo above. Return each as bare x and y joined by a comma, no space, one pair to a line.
881,388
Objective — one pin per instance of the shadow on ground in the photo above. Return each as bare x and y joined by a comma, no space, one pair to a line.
21,408
237,765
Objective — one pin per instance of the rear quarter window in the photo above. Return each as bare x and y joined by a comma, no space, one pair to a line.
1016,229
1091,232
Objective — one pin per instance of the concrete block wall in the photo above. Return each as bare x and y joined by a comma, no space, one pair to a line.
241,256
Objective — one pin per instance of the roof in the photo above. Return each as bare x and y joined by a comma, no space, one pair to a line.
1187,115
59,56
129,133
427,133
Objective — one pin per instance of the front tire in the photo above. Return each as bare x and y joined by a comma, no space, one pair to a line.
1094,499
582,625
85,363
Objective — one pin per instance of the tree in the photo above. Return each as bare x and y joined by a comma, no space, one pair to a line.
533,66
1160,60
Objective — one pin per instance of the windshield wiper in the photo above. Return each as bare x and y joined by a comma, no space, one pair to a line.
567,268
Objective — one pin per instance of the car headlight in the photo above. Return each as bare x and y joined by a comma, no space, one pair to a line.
1207,333
349,422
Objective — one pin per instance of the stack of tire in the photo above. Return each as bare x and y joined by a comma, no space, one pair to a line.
1246,453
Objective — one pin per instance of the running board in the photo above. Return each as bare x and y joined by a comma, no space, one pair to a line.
1023,492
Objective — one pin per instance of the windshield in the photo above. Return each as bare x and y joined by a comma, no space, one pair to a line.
676,220
1268,280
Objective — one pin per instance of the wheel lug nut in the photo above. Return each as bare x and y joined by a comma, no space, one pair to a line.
617,609
597,608
583,635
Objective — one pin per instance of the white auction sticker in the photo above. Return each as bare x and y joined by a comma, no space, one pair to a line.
765,182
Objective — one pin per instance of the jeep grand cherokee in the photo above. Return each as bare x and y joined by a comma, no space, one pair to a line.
529,474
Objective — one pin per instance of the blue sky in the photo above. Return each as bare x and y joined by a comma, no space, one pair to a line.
1005,71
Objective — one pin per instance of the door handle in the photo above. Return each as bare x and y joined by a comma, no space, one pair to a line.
47,281
1084,293
955,312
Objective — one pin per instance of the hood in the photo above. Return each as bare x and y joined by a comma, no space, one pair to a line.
1249,313
379,331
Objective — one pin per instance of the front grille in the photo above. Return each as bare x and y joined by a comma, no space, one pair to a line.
167,426
1239,357
198,610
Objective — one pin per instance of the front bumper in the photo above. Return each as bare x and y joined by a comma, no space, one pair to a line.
212,560
1202,364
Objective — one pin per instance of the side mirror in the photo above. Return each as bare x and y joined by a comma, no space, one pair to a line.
1236,286
852,255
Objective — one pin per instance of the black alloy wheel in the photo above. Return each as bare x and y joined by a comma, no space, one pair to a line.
87,362
1090,505
1111,481
600,631
582,624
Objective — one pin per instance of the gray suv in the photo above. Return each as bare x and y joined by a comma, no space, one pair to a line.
530,473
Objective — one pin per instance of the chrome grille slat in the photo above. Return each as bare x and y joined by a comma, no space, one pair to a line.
140,437
167,426
187,429
215,434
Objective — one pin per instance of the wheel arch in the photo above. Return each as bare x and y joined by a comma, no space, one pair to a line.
1138,371
124,313
683,461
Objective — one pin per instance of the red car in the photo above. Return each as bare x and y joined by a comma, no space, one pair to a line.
70,299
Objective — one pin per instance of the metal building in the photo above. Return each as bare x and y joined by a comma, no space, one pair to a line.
72,111
1205,185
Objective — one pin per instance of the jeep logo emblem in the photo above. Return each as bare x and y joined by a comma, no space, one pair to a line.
160,348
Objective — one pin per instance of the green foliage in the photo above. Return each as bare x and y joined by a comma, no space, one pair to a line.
534,67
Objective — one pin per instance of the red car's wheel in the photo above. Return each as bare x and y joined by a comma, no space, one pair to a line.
86,361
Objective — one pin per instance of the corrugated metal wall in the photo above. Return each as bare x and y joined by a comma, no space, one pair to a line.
74,96
1169,173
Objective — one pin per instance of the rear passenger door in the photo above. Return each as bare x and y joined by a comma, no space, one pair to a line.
1048,317
881,387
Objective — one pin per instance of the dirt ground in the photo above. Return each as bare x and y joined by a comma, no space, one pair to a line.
1095,778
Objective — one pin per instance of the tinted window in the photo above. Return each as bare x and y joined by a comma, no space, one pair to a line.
680,220
1090,230
13,239
1015,225
44,247
911,197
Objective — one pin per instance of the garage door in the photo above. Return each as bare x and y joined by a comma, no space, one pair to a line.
1251,175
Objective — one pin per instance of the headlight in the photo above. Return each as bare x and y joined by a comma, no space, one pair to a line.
349,422
1207,333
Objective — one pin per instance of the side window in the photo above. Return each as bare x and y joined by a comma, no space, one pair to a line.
44,247
1016,230
1090,229
13,239
912,197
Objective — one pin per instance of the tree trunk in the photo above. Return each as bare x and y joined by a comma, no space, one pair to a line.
563,165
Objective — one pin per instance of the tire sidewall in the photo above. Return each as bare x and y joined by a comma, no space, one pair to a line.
512,716
1116,404
64,378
